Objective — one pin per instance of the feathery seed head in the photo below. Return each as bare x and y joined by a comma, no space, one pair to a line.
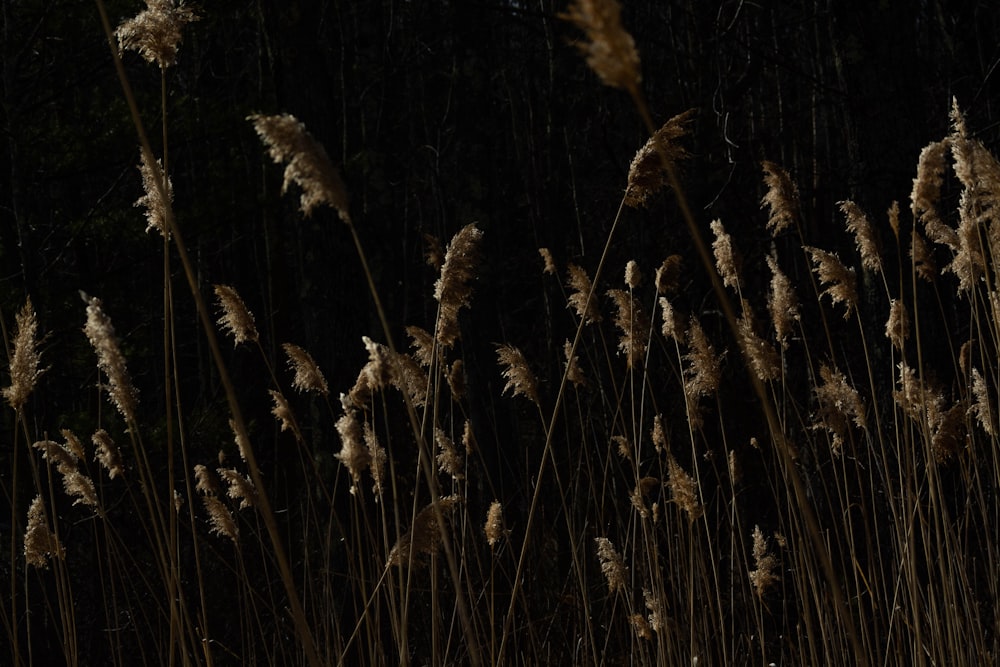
634,325
424,537
452,290
494,524
40,543
221,518
110,360
308,165
864,235
354,454
610,50
612,564
725,259
236,317
520,379
155,32
153,182
633,276
897,329
647,174
782,303
840,281
240,487
580,283
107,454
683,489
764,576
24,360
573,371
782,198
308,376
548,262
668,275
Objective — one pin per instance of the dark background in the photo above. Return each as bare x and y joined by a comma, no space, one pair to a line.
440,114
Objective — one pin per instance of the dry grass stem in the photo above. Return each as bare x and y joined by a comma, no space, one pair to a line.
609,49
110,360
25,358
155,32
308,165
453,290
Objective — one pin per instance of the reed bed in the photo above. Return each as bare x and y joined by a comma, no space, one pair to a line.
800,469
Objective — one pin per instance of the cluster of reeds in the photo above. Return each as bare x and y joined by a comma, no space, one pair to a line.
798,474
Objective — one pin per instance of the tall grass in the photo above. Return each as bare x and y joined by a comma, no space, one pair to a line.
800,469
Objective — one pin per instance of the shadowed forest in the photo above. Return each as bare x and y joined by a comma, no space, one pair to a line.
499,332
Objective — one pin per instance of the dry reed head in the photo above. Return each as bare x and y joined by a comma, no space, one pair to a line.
110,360
308,376
424,537
494,524
840,281
376,459
612,564
239,487
25,358
206,482
456,379
782,303
453,290
764,577
308,165
73,444
668,275
643,490
658,616
573,371
610,50
385,368
683,490
153,179
782,198
864,235
354,454
236,317
897,328
581,299
155,32
520,379
673,322
982,405
221,519
923,258
283,413
702,373
107,454
449,460
726,261
40,543
633,276
658,435
549,264
764,359
641,626
634,325
423,345
648,174
949,435
839,405
240,438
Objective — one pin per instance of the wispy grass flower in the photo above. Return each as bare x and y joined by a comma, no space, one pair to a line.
610,50
453,290
155,32
110,360
25,358
308,165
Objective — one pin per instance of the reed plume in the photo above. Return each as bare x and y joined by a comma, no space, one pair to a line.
155,32
24,359
634,326
683,489
354,454
612,564
236,317
864,235
424,536
106,453
840,281
897,328
452,289
726,261
240,487
110,360
448,459
494,524
782,303
40,543
156,208
308,165
839,405
764,576
668,275
520,380
763,358
610,50
548,263
308,376
573,371
580,299
647,174
376,458
782,198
